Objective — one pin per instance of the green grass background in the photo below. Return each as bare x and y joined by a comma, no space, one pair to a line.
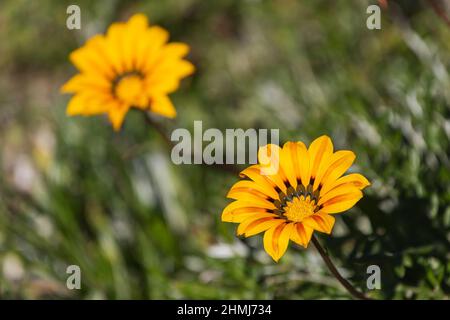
72,191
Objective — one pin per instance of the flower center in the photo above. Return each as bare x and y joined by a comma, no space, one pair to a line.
130,89
299,208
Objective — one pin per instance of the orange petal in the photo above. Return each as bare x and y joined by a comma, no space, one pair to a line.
302,234
304,167
338,191
354,179
335,167
252,226
289,163
269,161
321,222
276,240
254,173
250,186
241,214
342,202
319,150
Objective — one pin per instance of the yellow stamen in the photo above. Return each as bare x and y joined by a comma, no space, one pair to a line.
299,208
130,89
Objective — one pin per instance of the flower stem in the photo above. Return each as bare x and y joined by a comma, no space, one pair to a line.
347,285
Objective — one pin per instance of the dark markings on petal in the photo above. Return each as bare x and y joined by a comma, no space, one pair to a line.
277,204
290,191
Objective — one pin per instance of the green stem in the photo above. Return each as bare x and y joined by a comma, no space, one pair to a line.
347,285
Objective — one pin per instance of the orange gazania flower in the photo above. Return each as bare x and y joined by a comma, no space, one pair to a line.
131,66
301,196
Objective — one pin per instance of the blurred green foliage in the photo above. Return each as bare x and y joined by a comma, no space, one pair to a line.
74,192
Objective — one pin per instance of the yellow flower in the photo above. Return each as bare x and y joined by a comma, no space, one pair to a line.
131,66
300,197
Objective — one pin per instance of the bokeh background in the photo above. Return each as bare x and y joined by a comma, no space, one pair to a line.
75,192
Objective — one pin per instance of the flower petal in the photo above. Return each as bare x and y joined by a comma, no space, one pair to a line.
89,104
135,28
321,222
92,58
288,156
319,150
154,40
342,202
87,82
335,167
304,167
276,240
163,106
114,46
251,186
252,198
301,234
354,179
240,215
253,173
340,190
269,161
251,227
117,114
175,50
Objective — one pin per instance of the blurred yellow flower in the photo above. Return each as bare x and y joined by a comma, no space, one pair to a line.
300,197
131,66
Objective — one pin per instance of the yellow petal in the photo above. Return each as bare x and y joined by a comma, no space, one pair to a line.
90,58
88,104
165,78
77,105
161,85
269,161
304,167
87,82
246,186
248,204
252,198
301,234
354,179
175,50
163,106
342,202
321,222
114,46
153,41
117,114
138,21
250,227
319,150
340,190
134,30
287,158
254,173
276,240
334,167
239,215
